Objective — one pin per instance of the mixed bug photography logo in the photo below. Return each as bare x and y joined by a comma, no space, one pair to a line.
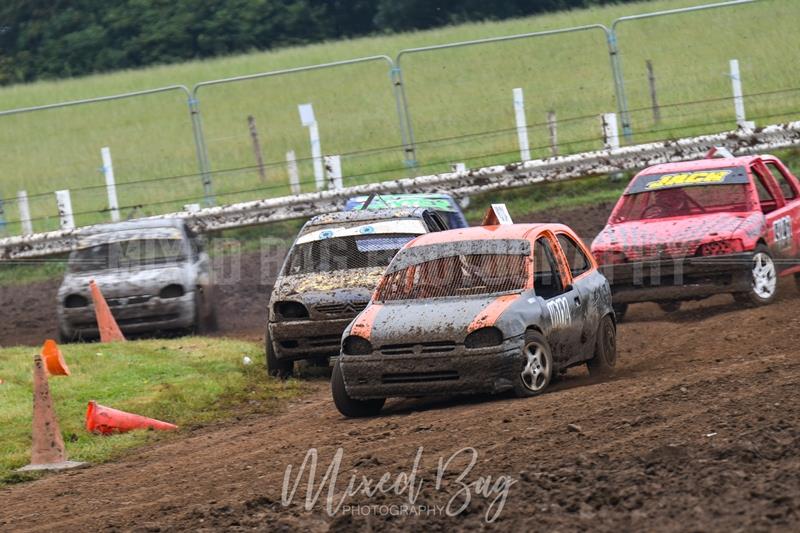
454,479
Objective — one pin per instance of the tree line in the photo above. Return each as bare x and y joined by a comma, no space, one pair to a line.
42,39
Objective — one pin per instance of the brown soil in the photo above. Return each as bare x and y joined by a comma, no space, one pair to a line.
699,429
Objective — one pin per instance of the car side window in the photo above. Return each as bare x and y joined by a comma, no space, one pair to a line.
547,281
765,197
433,222
787,187
576,258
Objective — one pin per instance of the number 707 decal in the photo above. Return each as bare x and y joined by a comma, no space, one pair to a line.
783,232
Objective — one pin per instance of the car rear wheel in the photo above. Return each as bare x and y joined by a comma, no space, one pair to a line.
276,367
536,368
350,407
763,280
605,349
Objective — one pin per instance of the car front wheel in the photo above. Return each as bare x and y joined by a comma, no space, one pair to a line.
276,367
536,368
763,280
350,407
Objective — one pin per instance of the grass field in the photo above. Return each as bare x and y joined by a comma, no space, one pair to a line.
451,93
187,381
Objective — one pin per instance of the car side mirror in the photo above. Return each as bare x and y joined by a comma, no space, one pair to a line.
569,287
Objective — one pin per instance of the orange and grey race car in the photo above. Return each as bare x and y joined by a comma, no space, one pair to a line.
477,310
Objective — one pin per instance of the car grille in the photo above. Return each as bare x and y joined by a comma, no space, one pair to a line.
660,251
420,377
349,308
419,348
128,300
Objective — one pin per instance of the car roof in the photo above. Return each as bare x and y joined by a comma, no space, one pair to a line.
701,164
366,215
505,231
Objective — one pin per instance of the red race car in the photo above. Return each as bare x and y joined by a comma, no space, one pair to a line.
685,231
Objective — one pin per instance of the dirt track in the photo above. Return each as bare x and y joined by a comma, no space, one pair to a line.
698,430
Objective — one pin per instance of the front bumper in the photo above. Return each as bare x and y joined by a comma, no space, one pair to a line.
302,339
679,279
460,371
155,314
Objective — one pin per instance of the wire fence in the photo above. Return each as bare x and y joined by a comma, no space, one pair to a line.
448,101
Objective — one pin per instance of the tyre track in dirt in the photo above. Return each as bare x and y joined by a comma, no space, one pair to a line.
698,429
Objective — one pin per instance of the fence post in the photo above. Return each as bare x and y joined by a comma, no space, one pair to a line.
404,116
619,83
610,131
294,175
24,212
308,120
333,165
458,167
738,98
251,123
2,217
200,148
522,124
553,127
651,80
111,186
64,203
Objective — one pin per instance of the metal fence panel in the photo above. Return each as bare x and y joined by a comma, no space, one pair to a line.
356,113
691,72
57,146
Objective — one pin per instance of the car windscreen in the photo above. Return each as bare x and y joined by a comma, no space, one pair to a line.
464,268
127,254
344,253
682,201
695,192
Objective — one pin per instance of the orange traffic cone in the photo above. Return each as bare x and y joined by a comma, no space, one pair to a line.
109,330
54,359
47,451
105,420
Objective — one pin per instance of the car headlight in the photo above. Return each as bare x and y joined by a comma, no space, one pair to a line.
355,345
730,246
290,310
75,300
484,338
171,291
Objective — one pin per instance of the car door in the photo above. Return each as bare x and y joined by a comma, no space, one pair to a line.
778,212
560,301
588,288
789,220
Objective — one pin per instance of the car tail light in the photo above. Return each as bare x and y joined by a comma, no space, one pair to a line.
730,246
75,300
291,310
484,338
610,257
355,345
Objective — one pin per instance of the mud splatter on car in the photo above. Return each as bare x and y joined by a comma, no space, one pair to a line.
328,277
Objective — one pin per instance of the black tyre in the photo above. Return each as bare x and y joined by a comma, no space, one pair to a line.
277,368
670,307
536,368
619,311
763,280
605,349
348,406
65,338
